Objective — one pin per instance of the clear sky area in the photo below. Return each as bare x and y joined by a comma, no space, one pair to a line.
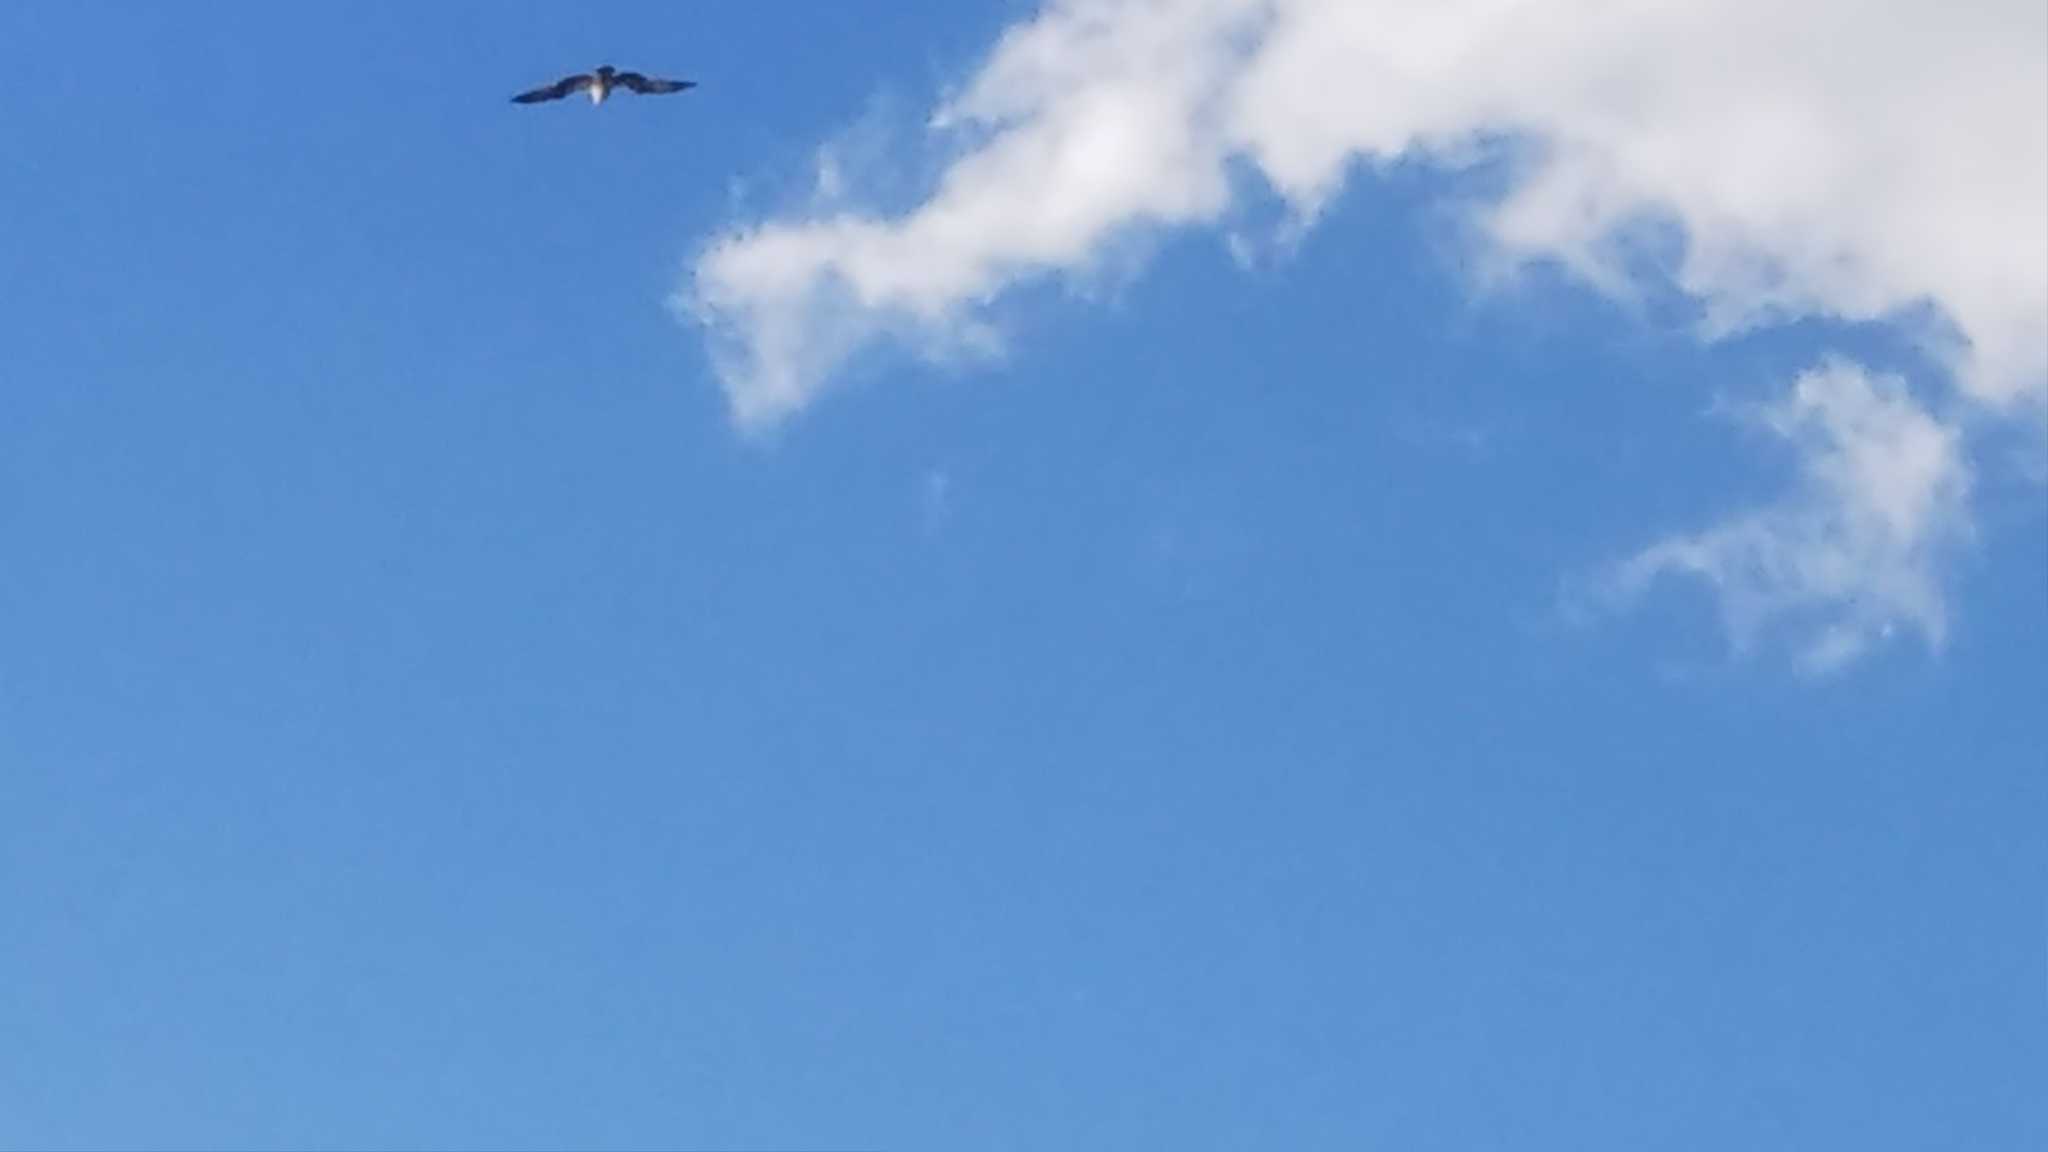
1089,575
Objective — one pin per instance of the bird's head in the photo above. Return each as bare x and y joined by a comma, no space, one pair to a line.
606,71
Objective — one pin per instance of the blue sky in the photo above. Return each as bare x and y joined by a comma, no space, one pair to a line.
554,628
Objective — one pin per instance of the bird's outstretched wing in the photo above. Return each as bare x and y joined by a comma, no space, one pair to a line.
560,88
647,86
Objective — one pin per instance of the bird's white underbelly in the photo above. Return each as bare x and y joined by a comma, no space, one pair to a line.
597,93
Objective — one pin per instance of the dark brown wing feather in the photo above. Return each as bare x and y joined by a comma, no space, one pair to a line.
646,86
555,91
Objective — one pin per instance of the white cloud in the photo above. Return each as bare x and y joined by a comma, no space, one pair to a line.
1858,547
1819,157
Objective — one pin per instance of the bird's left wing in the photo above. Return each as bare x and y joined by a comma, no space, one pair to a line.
647,86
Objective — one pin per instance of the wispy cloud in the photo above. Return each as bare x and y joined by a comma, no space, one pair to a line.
1816,160
1857,549
935,498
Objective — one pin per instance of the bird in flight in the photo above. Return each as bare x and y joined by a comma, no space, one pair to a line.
600,84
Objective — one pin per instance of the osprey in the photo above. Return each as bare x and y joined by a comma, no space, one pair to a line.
600,84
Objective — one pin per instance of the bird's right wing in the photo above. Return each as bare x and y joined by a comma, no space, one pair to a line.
555,91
